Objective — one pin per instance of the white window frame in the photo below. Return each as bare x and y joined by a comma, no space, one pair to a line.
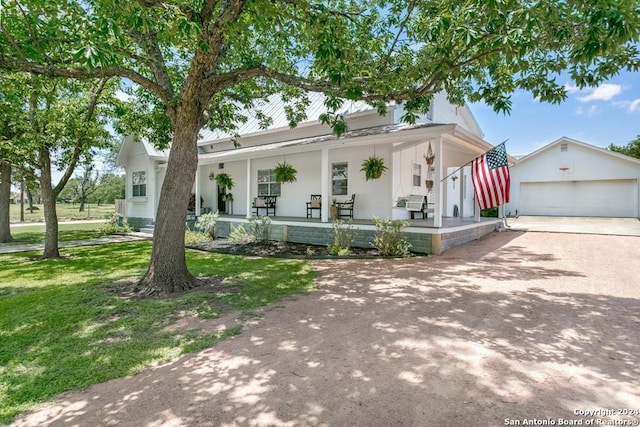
416,180
340,173
135,182
267,179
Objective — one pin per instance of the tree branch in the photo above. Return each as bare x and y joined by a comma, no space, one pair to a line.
79,145
84,74
403,24
149,44
12,41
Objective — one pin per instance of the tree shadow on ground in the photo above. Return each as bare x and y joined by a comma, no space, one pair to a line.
463,339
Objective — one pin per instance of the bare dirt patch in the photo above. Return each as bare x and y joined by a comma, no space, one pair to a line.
515,326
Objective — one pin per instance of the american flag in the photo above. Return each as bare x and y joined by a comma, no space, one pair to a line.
490,177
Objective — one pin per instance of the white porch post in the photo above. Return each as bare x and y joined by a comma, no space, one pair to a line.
198,191
437,188
476,215
324,185
248,198
461,196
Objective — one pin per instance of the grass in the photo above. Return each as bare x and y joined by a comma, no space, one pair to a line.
62,327
66,232
65,212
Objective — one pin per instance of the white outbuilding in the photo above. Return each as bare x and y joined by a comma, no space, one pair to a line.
572,178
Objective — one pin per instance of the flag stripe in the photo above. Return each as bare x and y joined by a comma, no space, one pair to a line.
491,178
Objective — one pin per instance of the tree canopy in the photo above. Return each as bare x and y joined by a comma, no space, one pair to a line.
197,63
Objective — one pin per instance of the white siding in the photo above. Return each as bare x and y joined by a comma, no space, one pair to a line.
141,207
447,113
582,180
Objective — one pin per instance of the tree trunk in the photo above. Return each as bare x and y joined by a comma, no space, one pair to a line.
49,207
168,271
30,199
5,203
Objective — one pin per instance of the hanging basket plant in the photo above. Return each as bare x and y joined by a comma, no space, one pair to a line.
373,167
284,172
429,157
224,180
429,184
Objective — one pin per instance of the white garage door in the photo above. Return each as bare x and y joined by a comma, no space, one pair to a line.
614,198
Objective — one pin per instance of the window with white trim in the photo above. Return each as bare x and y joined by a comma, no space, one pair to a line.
267,185
139,180
417,174
339,179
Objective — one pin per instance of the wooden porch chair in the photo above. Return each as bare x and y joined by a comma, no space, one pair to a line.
266,203
315,203
345,209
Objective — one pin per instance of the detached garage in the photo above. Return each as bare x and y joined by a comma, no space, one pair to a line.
571,178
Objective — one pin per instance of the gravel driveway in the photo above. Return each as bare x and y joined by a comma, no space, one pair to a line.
514,327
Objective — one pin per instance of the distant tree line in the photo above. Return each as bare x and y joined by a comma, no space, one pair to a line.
631,149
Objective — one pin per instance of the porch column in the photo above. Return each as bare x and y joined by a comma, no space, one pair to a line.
476,215
324,185
461,195
248,198
437,188
198,191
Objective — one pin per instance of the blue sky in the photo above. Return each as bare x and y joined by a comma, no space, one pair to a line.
599,116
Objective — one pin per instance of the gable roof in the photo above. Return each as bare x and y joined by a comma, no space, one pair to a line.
151,151
565,139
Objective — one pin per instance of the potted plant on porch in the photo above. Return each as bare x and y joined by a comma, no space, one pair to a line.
373,167
284,172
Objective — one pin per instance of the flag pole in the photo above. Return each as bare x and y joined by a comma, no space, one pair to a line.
469,162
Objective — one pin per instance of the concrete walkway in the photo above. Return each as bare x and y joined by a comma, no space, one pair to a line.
8,249
579,225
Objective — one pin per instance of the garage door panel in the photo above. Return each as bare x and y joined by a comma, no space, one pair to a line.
615,198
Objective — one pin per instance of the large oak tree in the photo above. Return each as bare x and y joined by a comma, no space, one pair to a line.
200,61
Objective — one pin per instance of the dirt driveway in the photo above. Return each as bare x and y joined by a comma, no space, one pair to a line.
535,326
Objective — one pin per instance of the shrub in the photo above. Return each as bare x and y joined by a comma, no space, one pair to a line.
389,239
343,237
207,223
240,234
112,226
260,227
194,237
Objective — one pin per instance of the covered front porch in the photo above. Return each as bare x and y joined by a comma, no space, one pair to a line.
330,167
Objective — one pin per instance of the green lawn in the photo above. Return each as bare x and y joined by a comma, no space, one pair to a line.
65,212
66,232
62,327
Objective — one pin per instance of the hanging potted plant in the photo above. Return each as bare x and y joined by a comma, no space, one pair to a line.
373,167
429,184
284,172
224,180
429,157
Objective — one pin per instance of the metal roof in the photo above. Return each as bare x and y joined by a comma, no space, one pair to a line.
274,108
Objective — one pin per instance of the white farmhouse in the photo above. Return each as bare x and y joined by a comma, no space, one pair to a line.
330,169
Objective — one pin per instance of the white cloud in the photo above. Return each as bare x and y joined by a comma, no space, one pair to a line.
603,92
570,89
630,106
589,112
